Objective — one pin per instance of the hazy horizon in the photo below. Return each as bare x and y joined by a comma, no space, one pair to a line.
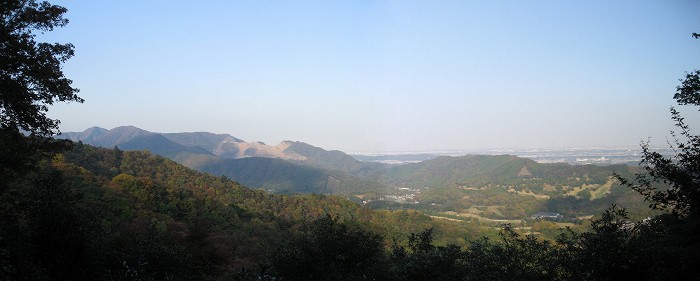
379,76
441,151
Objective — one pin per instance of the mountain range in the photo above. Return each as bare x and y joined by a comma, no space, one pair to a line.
289,167
297,167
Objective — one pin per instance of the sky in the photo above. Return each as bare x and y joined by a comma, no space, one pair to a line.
373,76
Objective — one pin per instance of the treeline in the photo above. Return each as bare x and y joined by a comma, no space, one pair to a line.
504,170
614,249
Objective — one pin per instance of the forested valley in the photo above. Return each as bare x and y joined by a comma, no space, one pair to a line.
93,213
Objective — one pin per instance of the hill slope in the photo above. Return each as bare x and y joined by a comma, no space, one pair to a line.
310,170
280,176
487,169
105,138
297,167
158,144
105,214
333,160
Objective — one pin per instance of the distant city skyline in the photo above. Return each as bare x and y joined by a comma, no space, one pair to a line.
372,76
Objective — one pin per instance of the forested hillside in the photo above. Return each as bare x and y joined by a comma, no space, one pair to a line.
115,214
489,189
280,176
93,213
290,167
334,160
480,170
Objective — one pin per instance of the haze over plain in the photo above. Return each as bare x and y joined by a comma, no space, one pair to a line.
383,75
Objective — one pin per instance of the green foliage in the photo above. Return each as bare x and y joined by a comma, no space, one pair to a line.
46,231
515,257
158,144
681,173
484,170
280,176
421,260
689,90
31,78
670,184
156,219
678,175
446,171
20,154
330,250
333,160
616,249
133,215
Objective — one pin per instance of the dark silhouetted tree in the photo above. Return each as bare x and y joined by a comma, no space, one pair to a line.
421,260
673,183
689,90
332,250
47,232
31,80
516,257
614,249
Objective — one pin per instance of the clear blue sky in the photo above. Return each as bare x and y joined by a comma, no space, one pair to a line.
384,75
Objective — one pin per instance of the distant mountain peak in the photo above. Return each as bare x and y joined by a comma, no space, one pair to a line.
95,128
102,137
128,127
222,145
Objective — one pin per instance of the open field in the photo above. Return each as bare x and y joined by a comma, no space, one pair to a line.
597,190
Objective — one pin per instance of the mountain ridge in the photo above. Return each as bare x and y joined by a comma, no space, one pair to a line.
289,167
222,145
298,167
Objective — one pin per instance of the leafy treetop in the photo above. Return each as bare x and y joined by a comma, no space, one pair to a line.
31,77
680,172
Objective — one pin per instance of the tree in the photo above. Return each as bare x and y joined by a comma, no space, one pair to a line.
689,90
614,249
47,231
331,250
421,260
31,78
673,183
